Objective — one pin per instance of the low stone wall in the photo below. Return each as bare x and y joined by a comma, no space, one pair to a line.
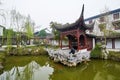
115,58
115,50
65,58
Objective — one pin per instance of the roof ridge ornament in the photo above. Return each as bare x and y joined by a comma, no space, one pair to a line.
82,13
79,23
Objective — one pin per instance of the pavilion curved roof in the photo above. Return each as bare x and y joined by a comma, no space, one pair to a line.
77,24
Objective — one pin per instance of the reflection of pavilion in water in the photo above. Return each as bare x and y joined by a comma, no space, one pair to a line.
32,71
76,34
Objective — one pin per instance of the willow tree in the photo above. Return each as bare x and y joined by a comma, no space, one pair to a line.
18,21
29,27
6,22
9,34
3,14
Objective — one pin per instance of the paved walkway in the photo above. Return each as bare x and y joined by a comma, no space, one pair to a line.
2,49
4,46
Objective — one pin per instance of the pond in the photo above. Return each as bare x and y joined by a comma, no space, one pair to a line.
42,68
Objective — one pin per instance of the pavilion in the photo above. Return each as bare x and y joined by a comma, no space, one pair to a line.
76,34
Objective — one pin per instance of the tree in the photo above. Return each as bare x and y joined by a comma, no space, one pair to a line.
18,21
3,19
105,26
9,36
54,31
29,27
42,33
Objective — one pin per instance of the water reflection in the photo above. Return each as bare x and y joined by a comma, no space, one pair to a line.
42,70
32,71
107,70
94,70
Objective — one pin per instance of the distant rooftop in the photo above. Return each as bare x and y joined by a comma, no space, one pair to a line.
2,26
97,16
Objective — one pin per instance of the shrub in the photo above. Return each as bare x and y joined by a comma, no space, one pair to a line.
20,51
2,57
17,51
96,52
2,60
10,50
38,51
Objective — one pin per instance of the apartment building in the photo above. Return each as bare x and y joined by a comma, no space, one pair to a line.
1,30
1,34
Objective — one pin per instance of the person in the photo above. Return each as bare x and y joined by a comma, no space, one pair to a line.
72,51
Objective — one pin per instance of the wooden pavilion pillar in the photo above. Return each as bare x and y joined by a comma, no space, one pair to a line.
69,44
113,43
78,41
86,44
61,41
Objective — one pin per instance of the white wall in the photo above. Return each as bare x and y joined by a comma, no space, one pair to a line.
93,43
109,43
117,43
31,42
54,42
1,31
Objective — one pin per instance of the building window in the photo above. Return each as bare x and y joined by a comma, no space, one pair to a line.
116,24
90,21
102,19
116,16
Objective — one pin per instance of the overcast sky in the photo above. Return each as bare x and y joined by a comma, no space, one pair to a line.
61,11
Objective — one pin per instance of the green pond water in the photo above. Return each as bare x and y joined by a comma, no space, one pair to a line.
42,68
